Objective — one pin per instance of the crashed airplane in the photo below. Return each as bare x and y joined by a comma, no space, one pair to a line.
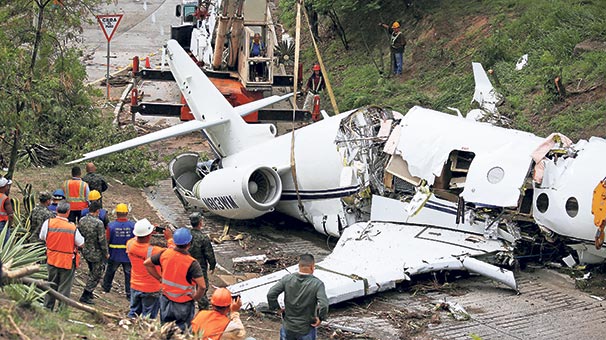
406,194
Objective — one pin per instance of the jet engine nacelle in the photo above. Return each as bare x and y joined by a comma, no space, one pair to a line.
240,193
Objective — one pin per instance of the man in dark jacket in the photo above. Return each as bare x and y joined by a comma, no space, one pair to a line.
397,44
305,302
202,250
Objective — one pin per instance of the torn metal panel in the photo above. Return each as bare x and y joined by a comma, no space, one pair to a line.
357,265
499,167
397,166
361,137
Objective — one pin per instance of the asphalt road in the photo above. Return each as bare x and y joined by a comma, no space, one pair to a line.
549,307
143,30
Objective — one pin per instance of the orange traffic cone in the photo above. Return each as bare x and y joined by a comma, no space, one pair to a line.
147,64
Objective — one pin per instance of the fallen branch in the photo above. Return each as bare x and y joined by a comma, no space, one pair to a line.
21,272
72,303
21,335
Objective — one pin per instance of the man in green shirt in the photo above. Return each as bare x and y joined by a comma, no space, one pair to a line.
305,302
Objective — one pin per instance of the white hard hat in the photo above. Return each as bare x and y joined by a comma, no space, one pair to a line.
143,228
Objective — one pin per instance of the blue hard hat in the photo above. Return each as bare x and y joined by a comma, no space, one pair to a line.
182,236
58,194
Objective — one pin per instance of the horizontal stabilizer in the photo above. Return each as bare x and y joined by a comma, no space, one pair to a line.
173,131
357,265
247,108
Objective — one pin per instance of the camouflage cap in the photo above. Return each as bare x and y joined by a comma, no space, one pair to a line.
44,196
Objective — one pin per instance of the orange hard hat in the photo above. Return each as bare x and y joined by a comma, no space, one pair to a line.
395,24
221,297
316,67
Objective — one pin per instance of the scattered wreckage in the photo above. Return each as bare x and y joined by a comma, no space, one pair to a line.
406,194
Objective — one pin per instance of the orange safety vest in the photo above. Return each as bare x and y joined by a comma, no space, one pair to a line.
210,323
174,270
3,213
60,243
140,279
75,194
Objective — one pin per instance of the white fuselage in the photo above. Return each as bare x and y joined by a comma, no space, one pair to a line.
318,166
562,203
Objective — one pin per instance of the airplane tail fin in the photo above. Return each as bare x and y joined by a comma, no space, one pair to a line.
208,104
484,93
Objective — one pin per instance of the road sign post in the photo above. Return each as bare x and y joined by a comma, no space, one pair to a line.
109,23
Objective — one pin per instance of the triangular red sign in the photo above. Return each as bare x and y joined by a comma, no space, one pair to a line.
109,23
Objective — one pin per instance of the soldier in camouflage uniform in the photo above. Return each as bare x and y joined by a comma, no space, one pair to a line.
94,180
94,251
202,250
39,214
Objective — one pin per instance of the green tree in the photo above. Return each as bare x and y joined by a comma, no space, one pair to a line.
41,79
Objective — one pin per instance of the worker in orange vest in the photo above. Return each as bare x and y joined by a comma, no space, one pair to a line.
182,280
223,321
6,207
62,239
76,193
144,289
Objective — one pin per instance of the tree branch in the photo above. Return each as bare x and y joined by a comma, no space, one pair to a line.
21,272
72,303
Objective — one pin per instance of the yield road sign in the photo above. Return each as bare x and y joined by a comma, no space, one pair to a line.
109,23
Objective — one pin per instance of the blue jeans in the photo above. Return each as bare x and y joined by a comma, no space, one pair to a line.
144,304
287,335
397,63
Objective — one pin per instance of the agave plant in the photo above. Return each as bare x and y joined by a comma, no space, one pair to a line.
17,253
285,50
22,213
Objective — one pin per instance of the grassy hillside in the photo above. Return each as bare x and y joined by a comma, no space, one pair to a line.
563,38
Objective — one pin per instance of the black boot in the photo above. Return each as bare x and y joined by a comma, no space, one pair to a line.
87,297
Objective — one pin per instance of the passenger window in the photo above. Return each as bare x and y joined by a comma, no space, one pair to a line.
542,202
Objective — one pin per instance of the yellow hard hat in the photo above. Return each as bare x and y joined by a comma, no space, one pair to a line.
121,208
395,24
94,195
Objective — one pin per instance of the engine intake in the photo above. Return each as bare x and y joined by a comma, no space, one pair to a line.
240,193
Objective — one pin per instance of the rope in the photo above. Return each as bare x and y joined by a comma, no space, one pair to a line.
324,73
293,164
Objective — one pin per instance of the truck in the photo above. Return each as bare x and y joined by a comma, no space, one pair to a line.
219,36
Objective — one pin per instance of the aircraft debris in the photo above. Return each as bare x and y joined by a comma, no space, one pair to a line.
253,258
569,261
522,62
478,197
455,309
349,329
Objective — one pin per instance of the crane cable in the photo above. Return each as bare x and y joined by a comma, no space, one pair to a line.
333,101
293,164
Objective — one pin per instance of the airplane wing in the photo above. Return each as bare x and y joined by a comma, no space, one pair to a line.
247,108
374,256
173,131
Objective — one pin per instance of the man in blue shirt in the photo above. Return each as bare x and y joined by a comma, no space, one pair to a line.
118,233
257,47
